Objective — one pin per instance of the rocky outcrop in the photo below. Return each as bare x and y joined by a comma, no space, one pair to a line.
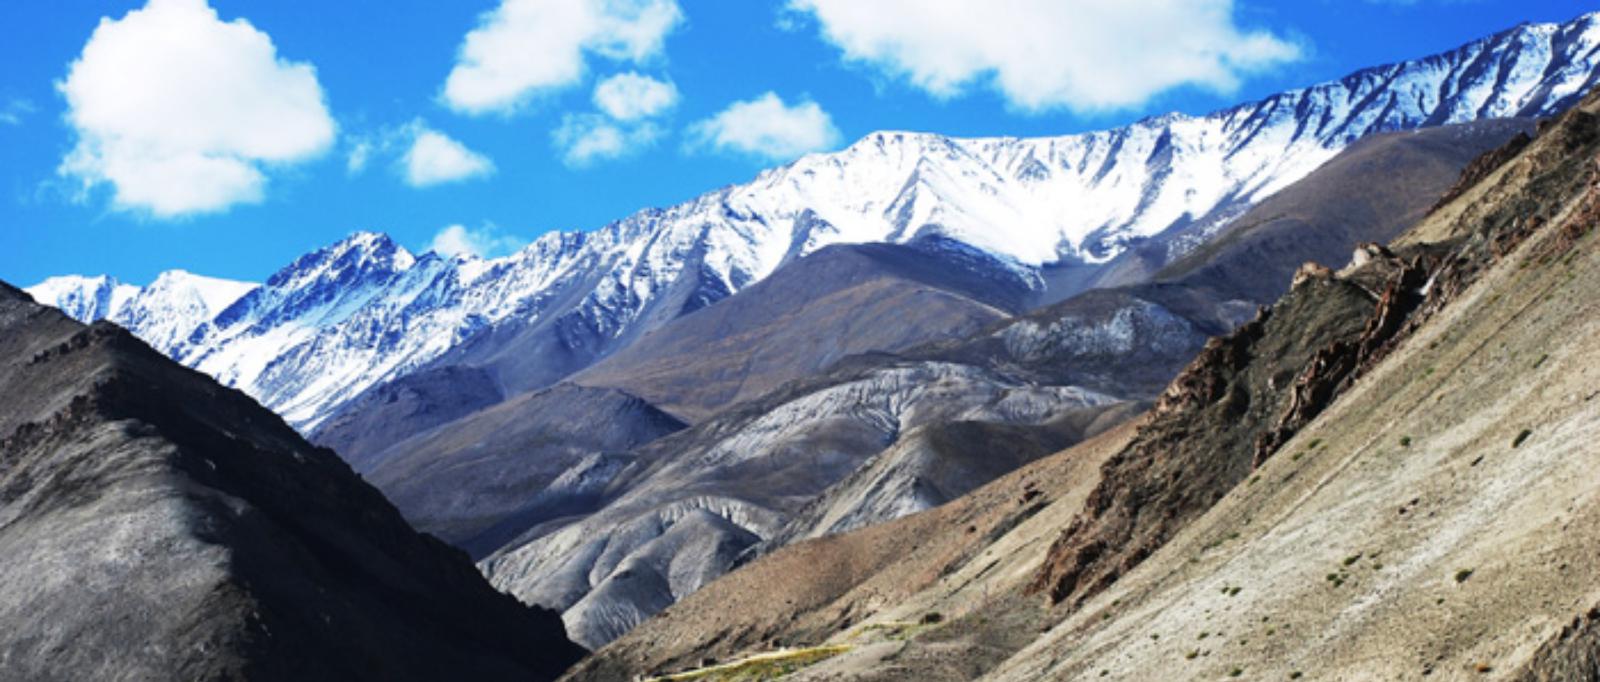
1573,655
1200,440
1334,367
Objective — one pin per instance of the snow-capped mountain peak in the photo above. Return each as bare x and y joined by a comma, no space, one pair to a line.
365,310
82,298
164,313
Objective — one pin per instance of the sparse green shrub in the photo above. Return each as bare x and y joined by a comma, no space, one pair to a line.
1236,672
1517,442
1463,574
1352,559
932,618
1405,441
1193,653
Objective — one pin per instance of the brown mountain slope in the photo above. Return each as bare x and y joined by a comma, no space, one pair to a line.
1415,498
155,525
842,300
482,479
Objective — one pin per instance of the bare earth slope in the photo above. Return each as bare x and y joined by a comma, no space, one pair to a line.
1414,499
840,301
154,525
478,481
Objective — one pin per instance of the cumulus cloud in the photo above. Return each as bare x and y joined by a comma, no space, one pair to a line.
434,158
485,242
587,138
767,128
422,156
1082,55
525,47
183,113
631,96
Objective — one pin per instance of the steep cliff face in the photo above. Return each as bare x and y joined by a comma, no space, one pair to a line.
155,525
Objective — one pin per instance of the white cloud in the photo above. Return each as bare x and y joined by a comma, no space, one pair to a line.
361,151
434,159
14,110
1082,55
182,113
767,128
631,96
525,47
587,138
487,242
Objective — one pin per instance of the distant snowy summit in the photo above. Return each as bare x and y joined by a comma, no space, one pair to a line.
364,310
164,313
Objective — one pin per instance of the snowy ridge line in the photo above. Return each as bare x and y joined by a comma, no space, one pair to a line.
365,310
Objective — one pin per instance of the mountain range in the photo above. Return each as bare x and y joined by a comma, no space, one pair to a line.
638,425
1058,212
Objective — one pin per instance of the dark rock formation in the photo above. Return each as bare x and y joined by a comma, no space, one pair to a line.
155,525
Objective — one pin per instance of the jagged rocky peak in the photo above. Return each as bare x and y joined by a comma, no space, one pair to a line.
353,256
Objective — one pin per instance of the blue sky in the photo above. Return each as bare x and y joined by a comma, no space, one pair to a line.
484,153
